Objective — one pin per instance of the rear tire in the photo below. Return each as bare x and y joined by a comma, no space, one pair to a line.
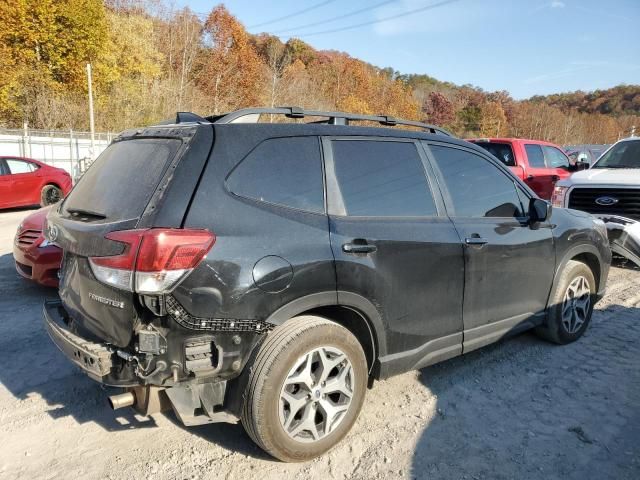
305,388
570,305
49,195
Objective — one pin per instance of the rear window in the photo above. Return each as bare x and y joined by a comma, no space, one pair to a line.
123,178
535,155
502,151
282,171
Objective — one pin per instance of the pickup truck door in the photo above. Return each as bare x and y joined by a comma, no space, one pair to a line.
539,177
508,265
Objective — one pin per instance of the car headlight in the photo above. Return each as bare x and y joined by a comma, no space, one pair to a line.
557,198
45,243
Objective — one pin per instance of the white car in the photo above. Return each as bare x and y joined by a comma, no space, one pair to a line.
609,190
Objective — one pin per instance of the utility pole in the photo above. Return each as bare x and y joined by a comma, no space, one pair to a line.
91,123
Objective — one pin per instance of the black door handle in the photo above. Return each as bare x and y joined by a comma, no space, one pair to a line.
358,248
476,241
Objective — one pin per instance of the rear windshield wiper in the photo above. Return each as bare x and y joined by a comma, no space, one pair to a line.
86,214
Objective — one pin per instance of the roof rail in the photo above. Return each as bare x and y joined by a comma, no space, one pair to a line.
252,115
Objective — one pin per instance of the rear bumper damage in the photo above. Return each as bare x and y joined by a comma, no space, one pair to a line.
196,399
624,236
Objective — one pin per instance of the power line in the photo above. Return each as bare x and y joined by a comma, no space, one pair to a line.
372,22
294,14
338,17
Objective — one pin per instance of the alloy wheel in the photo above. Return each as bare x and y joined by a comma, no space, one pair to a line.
316,394
576,304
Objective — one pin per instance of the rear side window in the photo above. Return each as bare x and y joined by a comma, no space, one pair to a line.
382,179
283,171
20,166
123,178
555,158
535,155
502,151
476,187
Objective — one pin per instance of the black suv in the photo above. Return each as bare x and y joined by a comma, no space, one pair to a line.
269,272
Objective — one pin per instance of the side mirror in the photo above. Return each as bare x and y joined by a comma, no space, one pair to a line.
539,210
581,165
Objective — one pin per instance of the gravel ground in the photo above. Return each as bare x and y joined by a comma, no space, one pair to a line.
520,409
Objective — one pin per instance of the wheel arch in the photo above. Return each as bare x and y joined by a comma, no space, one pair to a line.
352,311
585,253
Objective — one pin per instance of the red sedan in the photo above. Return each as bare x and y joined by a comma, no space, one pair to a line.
36,259
24,182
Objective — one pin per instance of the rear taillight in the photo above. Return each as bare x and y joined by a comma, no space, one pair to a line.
154,260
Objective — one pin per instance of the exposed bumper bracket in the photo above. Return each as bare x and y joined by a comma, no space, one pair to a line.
93,358
624,236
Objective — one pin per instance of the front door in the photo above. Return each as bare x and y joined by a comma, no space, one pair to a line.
540,177
509,264
24,182
394,246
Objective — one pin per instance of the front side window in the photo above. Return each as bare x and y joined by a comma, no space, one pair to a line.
476,187
555,158
535,156
283,171
19,166
382,179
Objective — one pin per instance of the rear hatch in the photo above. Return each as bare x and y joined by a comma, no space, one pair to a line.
145,178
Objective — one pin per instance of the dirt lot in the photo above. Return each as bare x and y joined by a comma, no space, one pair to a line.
519,409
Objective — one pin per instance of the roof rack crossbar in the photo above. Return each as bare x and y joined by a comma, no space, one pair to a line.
334,118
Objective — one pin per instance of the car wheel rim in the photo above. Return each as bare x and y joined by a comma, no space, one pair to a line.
576,303
53,195
316,394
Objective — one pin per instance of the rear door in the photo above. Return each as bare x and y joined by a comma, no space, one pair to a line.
508,265
393,244
131,185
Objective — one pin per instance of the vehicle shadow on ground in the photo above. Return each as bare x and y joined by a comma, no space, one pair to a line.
229,436
525,408
31,366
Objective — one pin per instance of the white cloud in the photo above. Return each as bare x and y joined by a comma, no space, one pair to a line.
557,4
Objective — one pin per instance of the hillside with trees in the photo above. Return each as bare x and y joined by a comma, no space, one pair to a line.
150,61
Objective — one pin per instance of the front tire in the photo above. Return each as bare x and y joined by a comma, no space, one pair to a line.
305,389
570,305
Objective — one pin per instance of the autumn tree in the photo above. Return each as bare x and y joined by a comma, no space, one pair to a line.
46,44
438,109
230,68
493,120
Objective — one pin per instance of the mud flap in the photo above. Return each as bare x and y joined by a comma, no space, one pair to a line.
199,404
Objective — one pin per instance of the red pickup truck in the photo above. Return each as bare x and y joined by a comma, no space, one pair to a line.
540,164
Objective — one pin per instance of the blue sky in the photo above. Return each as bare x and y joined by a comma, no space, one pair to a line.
526,47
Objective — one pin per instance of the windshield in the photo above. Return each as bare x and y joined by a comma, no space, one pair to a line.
621,155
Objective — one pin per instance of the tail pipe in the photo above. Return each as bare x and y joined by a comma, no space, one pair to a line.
127,399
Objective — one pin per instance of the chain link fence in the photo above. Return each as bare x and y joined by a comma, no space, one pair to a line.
69,150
